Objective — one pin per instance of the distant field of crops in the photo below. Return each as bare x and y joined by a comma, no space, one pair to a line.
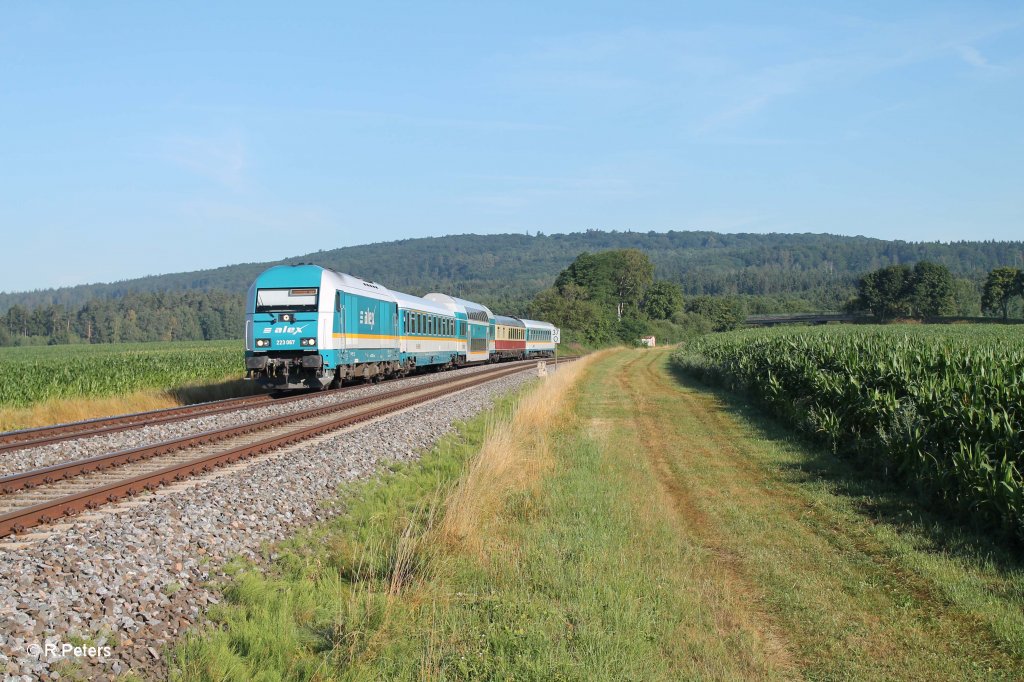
939,407
34,374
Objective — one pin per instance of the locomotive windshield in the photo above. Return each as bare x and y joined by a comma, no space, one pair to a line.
286,300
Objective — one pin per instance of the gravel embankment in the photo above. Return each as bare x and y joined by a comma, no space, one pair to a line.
134,580
47,455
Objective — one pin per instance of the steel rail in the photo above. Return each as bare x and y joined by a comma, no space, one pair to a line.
20,519
44,435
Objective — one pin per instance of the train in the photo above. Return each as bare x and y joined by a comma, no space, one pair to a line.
310,327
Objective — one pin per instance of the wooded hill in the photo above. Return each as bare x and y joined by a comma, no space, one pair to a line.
773,272
503,264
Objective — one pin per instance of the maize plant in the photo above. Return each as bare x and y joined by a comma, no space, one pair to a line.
35,374
941,408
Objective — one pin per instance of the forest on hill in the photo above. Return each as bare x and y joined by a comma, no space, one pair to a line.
766,272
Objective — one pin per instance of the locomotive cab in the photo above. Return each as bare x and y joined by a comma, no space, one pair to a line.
283,331
311,327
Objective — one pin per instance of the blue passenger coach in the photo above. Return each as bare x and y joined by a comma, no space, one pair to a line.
430,334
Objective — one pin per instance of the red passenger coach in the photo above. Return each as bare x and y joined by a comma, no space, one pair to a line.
509,338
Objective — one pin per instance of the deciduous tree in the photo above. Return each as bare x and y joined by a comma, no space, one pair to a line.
1001,286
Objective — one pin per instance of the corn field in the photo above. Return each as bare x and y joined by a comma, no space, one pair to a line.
939,408
35,374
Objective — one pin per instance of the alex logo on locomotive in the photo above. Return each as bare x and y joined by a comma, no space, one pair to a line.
295,331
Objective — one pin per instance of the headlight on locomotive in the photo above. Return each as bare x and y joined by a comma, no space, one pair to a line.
263,343
308,342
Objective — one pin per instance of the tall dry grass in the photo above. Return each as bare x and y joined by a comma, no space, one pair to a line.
514,455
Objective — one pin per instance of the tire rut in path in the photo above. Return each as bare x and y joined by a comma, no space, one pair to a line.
640,381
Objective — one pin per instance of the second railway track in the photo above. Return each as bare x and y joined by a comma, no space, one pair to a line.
44,495
45,435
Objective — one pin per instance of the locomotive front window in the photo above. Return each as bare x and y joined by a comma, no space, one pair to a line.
292,300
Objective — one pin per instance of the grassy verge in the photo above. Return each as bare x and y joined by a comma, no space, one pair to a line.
642,529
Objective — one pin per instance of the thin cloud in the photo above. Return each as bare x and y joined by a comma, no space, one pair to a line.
223,160
893,46
973,57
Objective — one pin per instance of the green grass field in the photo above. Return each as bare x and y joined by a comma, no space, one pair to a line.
32,375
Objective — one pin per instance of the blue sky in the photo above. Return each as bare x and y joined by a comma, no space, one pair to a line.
141,138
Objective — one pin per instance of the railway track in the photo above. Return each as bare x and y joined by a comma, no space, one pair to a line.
44,495
45,435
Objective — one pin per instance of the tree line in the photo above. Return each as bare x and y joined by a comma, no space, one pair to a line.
166,316
930,290
790,272
599,298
